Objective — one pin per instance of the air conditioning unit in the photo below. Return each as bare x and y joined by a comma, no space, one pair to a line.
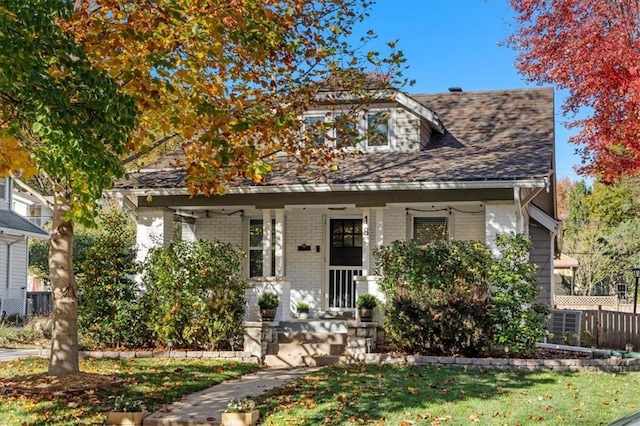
565,326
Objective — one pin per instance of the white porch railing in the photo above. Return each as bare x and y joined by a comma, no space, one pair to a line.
342,287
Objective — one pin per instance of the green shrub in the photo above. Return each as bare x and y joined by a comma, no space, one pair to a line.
268,301
302,307
519,320
366,301
196,294
437,296
111,313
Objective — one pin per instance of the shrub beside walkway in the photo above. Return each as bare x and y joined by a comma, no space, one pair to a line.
205,408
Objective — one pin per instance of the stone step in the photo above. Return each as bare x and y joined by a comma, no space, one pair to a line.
278,361
314,326
296,348
308,337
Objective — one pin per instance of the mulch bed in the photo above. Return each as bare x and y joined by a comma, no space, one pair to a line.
68,385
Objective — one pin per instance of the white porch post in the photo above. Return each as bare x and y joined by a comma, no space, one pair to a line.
266,243
279,272
500,218
379,227
153,229
366,246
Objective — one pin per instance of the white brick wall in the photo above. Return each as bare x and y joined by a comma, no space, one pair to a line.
154,229
227,229
395,224
500,219
469,226
305,270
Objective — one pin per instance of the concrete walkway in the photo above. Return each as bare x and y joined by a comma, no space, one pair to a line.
205,408
13,354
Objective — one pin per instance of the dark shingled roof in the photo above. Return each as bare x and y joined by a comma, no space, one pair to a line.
493,135
10,221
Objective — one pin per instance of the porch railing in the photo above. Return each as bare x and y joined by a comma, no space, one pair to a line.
342,287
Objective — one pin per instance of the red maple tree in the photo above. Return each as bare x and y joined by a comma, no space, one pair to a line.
591,48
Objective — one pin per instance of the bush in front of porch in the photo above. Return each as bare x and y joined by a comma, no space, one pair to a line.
454,298
197,294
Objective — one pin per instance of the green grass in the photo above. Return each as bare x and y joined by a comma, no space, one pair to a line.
422,395
153,381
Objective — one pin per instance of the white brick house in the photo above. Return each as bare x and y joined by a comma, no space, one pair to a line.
464,166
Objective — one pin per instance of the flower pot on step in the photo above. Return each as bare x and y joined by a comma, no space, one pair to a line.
366,315
249,418
268,314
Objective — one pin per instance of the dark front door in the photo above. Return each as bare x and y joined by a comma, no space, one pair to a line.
345,261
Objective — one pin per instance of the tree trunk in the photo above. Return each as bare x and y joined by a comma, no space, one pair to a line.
64,339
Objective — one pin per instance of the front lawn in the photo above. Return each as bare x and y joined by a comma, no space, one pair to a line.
424,395
154,381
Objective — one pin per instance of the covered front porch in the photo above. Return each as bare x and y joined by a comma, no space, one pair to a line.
318,247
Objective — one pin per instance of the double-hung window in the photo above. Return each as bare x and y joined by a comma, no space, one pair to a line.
3,189
346,131
428,229
256,242
314,130
378,130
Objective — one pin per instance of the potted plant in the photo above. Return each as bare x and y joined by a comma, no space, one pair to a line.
240,412
268,303
303,310
365,303
126,412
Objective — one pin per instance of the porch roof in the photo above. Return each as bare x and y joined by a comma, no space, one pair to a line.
490,136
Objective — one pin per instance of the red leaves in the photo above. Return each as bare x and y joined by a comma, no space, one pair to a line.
592,49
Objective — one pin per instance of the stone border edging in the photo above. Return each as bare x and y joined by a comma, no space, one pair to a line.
571,365
238,356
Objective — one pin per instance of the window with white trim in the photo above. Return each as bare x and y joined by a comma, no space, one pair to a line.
314,130
255,247
378,129
428,229
3,189
346,131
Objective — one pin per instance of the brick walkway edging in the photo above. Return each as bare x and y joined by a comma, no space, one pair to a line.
238,356
617,365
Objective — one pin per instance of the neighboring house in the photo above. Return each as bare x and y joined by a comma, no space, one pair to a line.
463,165
15,231
564,272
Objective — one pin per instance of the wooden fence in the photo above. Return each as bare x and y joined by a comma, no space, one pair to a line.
612,330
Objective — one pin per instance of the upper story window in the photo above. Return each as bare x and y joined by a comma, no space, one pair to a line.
429,229
378,130
3,189
314,129
346,131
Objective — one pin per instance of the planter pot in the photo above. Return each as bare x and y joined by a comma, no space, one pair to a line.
366,315
303,315
126,419
240,419
268,314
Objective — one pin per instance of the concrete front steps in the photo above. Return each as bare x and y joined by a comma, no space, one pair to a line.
307,348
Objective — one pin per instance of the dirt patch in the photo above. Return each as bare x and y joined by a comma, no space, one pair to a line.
72,384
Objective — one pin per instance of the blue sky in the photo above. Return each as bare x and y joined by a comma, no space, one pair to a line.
456,43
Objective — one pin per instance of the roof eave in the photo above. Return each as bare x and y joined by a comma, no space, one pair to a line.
351,187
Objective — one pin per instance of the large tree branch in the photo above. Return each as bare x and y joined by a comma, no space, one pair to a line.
155,145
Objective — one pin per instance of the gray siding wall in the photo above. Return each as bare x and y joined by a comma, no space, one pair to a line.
542,255
407,131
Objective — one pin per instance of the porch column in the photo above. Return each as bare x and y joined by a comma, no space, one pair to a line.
379,227
266,243
280,243
154,228
500,218
366,247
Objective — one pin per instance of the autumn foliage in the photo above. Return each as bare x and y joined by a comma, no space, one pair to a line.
591,48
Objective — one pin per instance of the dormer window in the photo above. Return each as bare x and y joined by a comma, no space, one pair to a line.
346,131
314,130
378,130
3,189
